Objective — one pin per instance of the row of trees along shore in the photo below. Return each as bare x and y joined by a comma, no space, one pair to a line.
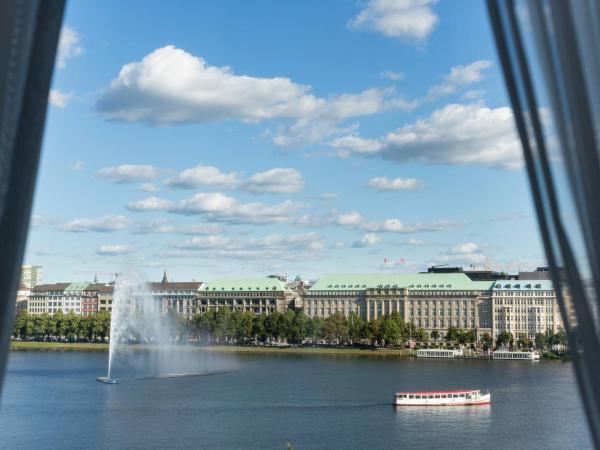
225,326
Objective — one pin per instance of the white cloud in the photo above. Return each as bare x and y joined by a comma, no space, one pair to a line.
391,75
454,134
368,240
459,76
204,176
217,206
114,250
354,219
476,94
171,86
149,187
103,224
288,247
129,173
69,46
275,180
58,98
464,254
406,19
350,218
396,184
150,204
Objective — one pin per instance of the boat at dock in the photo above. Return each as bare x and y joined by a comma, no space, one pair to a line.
107,380
439,353
516,355
463,397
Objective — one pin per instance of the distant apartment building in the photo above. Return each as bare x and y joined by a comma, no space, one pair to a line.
105,297
47,298
255,295
524,307
433,301
31,275
89,299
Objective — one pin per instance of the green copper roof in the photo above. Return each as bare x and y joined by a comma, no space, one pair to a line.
245,284
418,281
523,285
77,286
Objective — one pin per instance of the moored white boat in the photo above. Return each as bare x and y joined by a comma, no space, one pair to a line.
462,397
516,355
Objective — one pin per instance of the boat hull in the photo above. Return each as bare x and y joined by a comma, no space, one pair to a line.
480,400
107,380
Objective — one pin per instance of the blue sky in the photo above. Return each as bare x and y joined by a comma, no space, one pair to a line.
219,137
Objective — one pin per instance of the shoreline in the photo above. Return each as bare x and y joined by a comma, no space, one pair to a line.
100,347
237,349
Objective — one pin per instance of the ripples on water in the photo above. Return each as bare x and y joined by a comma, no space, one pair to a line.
51,400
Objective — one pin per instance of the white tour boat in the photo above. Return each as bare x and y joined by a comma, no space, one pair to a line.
463,397
439,353
507,354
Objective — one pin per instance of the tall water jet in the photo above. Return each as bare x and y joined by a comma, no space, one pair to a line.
141,315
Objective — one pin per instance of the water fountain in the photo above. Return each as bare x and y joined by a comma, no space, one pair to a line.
143,337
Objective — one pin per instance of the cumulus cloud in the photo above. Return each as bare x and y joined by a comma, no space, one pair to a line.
354,219
114,250
204,176
459,76
171,86
391,75
103,224
416,242
59,98
129,173
69,46
288,247
454,134
275,180
396,184
411,20
217,206
464,254
368,240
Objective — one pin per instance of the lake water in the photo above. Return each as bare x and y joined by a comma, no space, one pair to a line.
51,400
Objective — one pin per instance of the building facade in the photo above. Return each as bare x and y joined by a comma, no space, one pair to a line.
433,301
31,275
47,298
105,297
181,297
89,299
255,295
525,307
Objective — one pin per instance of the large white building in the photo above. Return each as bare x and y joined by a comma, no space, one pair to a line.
524,307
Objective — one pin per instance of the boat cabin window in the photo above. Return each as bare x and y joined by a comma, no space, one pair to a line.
411,396
417,396
437,396
455,395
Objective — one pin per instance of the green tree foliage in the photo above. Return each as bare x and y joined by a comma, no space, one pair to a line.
487,341
504,339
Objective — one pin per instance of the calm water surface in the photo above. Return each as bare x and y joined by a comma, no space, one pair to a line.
51,400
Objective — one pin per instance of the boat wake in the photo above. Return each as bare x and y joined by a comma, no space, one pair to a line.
170,376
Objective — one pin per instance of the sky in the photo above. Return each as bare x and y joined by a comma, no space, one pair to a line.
222,138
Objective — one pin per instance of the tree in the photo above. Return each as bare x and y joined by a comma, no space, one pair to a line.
314,327
298,329
453,334
523,341
390,331
20,325
487,341
435,335
541,340
335,326
504,339
355,327
422,335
